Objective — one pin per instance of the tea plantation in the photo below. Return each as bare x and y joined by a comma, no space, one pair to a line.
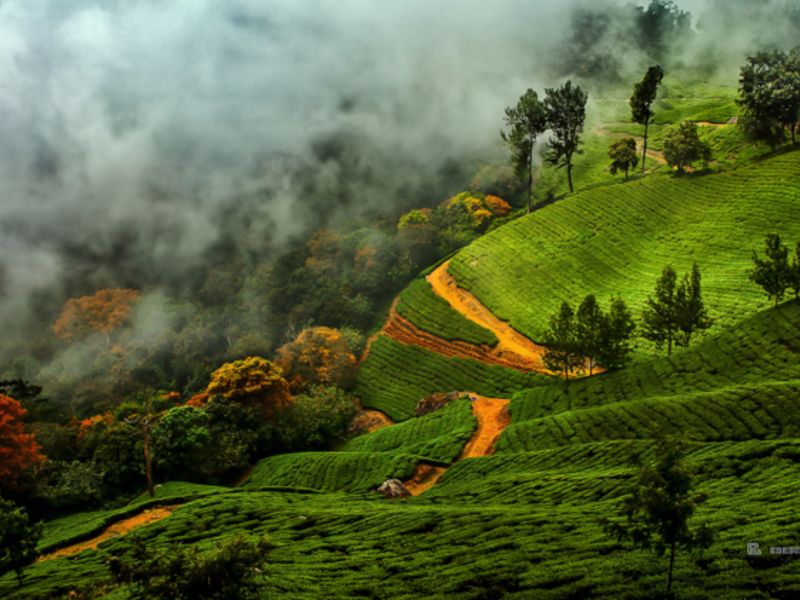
525,521
615,240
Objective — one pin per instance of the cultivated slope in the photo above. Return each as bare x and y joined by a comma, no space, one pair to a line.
615,239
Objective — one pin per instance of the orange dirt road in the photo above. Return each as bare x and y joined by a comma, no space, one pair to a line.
493,417
120,528
512,345
424,478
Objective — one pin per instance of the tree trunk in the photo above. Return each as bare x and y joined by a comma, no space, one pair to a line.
530,177
669,345
569,175
644,146
626,173
148,463
794,138
19,576
671,564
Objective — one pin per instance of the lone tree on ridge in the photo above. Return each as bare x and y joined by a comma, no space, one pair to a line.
566,115
644,94
526,121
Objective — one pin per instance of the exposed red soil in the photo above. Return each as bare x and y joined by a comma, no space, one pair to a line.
512,346
424,478
493,417
403,330
119,528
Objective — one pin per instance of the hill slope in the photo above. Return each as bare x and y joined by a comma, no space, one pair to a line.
524,522
615,239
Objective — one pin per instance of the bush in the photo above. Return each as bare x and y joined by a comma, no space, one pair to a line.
316,420
180,439
230,571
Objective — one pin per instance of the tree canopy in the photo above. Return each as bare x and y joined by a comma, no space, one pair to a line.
683,146
773,273
18,538
102,312
623,156
566,115
656,513
769,94
252,381
644,94
18,449
526,121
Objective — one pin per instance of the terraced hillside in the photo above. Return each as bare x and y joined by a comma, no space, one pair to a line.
615,239
524,521
519,516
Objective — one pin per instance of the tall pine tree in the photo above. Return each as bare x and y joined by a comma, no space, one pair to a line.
644,94
690,310
562,354
526,121
772,273
589,329
659,315
566,114
617,326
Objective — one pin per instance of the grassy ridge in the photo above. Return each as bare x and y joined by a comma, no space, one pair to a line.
440,435
620,236
61,531
394,377
365,462
450,545
331,471
419,304
763,348
734,413
589,472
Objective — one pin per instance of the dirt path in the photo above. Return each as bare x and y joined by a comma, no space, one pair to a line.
119,528
710,124
512,345
655,155
424,478
493,417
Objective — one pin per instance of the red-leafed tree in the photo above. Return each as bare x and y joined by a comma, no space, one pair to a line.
102,312
18,450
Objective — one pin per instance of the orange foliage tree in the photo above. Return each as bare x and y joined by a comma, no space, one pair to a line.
18,450
480,209
253,381
318,355
102,312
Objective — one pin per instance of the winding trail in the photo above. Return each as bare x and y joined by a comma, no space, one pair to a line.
511,343
146,517
513,350
493,417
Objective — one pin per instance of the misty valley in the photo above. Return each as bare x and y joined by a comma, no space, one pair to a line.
413,299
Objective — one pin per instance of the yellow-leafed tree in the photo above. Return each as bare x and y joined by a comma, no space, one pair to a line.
320,355
253,381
